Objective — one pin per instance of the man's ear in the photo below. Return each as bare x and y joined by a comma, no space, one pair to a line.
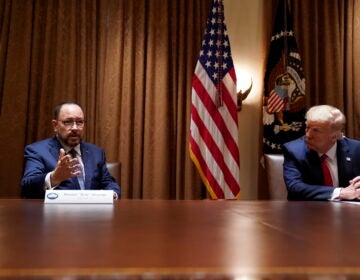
338,135
54,124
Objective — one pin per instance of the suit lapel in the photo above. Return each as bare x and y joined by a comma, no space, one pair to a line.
344,163
315,164
85,159
55,148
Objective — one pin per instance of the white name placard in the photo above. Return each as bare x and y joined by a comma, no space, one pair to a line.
79,196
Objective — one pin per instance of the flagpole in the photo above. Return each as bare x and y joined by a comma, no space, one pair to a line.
285,54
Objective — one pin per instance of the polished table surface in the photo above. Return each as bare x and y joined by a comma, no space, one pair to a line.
163,239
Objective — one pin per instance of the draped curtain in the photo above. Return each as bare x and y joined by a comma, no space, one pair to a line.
129,63
328,35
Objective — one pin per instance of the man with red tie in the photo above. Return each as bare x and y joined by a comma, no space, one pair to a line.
323,164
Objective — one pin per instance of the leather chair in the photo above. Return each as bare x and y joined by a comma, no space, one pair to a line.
115,170
274,173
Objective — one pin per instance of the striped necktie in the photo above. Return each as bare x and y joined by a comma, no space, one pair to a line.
80,177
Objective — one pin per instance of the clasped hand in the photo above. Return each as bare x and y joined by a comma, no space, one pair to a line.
352,191
66,167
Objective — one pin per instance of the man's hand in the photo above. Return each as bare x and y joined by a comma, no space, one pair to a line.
66,168
352,191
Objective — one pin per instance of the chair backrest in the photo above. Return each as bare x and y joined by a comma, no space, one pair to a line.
274,174
115,170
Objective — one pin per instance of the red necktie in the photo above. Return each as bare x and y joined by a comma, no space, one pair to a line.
326,171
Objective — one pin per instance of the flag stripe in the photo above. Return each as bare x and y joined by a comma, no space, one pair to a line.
218,156
275,103
210,182
229,82
219,119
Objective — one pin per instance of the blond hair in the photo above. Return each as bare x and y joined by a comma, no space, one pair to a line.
327,114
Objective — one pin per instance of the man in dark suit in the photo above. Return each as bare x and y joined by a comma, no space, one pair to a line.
323,165
65,162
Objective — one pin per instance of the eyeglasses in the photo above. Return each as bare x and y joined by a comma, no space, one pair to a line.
70,123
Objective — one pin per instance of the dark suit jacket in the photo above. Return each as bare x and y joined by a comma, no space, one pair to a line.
41,158
302,169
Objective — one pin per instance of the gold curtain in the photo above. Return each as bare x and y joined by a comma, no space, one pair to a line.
328,35
129,63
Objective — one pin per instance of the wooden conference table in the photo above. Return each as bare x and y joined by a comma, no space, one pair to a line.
156,239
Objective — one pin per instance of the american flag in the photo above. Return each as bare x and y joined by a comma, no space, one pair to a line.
213,141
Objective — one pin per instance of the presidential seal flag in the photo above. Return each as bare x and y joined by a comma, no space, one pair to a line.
284,94
213,139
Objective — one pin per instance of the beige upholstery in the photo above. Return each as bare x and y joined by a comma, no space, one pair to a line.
274,174
115,170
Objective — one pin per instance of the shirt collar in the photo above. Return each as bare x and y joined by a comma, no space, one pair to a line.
331,153
67,148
